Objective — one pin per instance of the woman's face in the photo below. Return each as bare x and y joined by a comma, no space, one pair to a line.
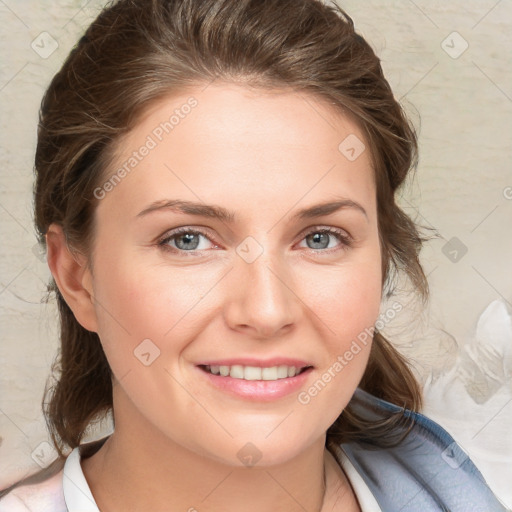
253,281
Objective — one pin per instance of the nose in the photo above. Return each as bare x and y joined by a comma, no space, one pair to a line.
262,301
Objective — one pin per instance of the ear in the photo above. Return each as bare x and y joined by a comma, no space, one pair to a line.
73,278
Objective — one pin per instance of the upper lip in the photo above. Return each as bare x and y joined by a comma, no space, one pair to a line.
262,363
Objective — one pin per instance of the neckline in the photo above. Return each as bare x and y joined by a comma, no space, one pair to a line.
79,498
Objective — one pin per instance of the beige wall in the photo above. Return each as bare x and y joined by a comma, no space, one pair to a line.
449,63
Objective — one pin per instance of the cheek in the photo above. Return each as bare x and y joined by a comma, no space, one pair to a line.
138,299
132,307
147,309
348,304
358,304
333,385
349,299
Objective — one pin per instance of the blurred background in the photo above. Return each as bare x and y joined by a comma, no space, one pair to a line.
449,65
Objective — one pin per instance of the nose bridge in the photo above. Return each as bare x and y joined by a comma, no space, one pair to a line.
263,295
261,278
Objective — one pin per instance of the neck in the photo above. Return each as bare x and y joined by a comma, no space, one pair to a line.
139,468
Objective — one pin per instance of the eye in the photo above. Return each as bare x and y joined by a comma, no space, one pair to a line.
184,240
321,238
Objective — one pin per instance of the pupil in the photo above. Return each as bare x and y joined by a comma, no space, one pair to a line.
317,239
188,239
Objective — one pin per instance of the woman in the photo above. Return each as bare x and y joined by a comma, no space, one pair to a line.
215,190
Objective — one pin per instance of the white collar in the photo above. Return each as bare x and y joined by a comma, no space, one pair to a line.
77,494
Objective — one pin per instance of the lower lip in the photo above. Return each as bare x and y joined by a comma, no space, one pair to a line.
258,390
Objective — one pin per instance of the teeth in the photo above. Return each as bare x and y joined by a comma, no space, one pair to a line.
250,373
282,372
238,371
269,373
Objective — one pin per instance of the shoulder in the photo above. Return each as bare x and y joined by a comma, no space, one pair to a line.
41,492
425,470
57,488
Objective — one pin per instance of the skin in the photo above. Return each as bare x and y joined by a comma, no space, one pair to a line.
263,155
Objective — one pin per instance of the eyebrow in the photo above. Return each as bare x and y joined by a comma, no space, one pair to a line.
222,214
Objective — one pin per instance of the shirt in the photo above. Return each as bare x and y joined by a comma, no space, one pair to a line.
427,471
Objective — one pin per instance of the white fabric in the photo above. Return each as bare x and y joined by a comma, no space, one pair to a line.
47,496
77,493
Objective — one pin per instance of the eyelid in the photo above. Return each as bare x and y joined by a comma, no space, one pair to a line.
168,235
319,228
344,237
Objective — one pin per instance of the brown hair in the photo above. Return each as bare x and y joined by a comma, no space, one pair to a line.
138,51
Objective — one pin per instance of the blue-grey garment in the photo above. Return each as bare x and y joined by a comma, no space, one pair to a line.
427,471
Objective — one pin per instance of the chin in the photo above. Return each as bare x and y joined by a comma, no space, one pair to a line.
261,452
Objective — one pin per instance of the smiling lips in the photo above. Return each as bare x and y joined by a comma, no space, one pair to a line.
239,371
256,369
255,379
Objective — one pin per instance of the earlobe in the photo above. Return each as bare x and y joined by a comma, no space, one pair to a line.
72,276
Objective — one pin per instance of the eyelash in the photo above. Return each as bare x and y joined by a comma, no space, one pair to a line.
345,239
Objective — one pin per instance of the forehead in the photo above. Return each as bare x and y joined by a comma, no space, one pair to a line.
252,142
232,107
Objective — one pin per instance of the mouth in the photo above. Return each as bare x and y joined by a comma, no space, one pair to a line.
259,381
252,373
